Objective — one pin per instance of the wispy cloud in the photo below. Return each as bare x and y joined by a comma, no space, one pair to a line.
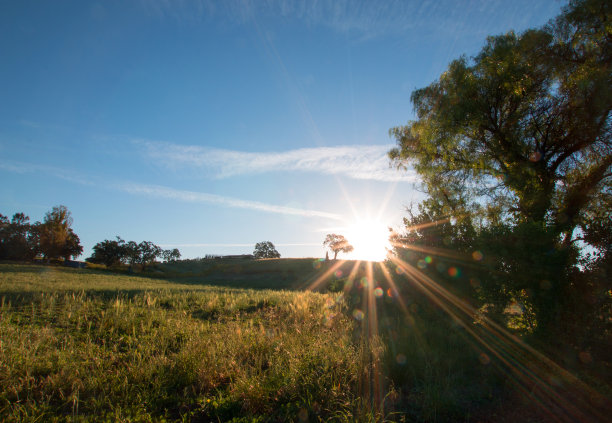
341,15
346,16
65,174
276,244
158,191
356,161
363,18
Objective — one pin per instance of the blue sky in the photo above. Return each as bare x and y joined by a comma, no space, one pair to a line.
210,126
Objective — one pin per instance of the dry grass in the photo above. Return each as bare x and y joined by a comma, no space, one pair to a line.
77,345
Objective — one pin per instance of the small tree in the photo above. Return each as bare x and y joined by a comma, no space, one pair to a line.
337,244
265,249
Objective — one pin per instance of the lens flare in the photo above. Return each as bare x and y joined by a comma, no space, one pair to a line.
401,359
358,314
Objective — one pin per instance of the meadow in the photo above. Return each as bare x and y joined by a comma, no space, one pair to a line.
185,343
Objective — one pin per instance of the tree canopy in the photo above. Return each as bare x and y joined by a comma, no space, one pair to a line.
114,252
18,238
514,149
523,129
265,249
337,244
109,252
56,237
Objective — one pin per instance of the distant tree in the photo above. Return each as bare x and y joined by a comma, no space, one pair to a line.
337,244
132,254
4,222
148,252
171,255
109,252
72,247
55,236
18,238
265,249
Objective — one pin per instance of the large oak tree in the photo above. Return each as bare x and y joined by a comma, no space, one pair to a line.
518,141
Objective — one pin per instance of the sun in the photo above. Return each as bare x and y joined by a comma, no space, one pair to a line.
370,239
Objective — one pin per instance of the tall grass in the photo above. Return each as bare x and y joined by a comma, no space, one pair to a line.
82,345
169,351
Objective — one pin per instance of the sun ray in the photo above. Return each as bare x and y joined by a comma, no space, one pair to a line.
311,286
440,252
350,280
527,367
386,199
392,286
532,372
370,239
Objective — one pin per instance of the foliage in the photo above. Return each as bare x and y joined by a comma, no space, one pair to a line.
114,252
265,249
524,130
514,147
56,237
171,255
148,253
18,238
109,252
132,253
337,244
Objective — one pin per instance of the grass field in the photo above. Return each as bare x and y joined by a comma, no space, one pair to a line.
208,342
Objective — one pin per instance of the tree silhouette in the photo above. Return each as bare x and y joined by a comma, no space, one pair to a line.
265,249
337,244
109,252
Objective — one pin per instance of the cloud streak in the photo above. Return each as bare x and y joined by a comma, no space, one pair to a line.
363,19
369,162
23,168
158,191
298,244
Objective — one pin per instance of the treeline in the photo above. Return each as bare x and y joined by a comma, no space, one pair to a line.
53,238
118,252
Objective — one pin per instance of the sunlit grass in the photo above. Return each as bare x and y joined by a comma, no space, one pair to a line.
83,345
90,346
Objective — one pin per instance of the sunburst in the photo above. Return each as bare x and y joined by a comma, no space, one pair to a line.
370,238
